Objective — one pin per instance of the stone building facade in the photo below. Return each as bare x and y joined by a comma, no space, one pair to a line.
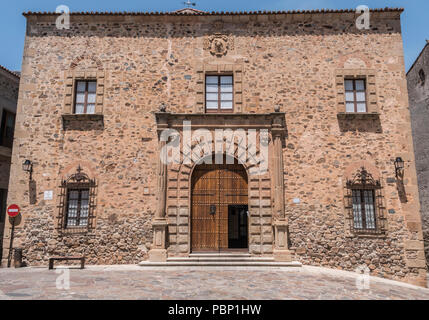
9,86
323,103
418,91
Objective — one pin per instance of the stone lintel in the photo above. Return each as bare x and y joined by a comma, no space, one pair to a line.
271,121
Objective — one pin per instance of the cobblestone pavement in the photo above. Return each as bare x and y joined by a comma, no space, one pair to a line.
133,282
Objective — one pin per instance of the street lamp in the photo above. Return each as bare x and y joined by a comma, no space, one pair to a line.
399,167
27,166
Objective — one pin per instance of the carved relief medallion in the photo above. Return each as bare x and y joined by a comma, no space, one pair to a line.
218,44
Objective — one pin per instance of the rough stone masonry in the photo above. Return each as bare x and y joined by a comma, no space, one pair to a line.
419,105
285,65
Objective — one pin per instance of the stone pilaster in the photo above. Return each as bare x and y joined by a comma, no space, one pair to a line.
158,252
280,223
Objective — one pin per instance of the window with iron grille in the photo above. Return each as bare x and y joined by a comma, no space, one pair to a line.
365,204
77,208
355,95
85,97
219,93
77,202
364,209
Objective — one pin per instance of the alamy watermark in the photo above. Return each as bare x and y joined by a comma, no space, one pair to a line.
363,21
363,279
63,21
63,280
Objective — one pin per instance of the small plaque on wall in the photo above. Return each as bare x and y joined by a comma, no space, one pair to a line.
48,195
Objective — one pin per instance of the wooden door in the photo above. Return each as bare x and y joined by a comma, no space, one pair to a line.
214,189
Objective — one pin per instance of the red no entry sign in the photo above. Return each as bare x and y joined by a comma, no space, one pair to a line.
13,210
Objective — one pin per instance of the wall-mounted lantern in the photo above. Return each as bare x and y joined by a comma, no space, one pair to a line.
27,166
399,167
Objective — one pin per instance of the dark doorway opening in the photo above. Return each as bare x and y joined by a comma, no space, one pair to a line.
3,199
237,227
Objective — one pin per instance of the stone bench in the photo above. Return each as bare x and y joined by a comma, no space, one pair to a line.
52,259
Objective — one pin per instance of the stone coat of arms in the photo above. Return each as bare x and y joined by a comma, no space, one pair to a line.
218,44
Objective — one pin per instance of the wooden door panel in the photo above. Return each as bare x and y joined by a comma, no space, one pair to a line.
204,194
219,185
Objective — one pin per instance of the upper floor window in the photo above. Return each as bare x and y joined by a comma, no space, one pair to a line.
355,95
7,129
219,93
86,93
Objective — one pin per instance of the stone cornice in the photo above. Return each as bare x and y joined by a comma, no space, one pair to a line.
270,121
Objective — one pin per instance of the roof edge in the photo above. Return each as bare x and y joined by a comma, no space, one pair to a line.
418,58
212,13
10,72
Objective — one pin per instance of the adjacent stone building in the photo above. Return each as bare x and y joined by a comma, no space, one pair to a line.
418,91
9,85
302,113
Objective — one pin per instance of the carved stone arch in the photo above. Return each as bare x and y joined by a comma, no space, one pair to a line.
96,62
71,169
269,235
354,60
355,167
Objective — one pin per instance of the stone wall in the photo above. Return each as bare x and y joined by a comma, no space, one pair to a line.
419,108
286,60
9,85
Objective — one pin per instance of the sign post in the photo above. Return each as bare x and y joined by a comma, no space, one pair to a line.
12,211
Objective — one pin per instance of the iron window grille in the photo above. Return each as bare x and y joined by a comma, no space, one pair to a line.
365,205
356,99
78,202
219,93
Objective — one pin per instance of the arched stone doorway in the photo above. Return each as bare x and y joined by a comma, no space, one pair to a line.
219,206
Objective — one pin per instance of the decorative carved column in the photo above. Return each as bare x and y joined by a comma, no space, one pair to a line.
281,248
158,252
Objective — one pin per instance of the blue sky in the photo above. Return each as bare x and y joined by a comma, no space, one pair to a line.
415,22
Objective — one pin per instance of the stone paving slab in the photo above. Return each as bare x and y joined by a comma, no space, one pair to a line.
182,283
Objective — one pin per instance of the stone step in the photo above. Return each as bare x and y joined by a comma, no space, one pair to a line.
220,264
220,254
220,259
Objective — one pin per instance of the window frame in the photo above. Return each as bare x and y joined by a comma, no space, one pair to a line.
79,189
363,212
219,101
85,103
355,91
4,141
